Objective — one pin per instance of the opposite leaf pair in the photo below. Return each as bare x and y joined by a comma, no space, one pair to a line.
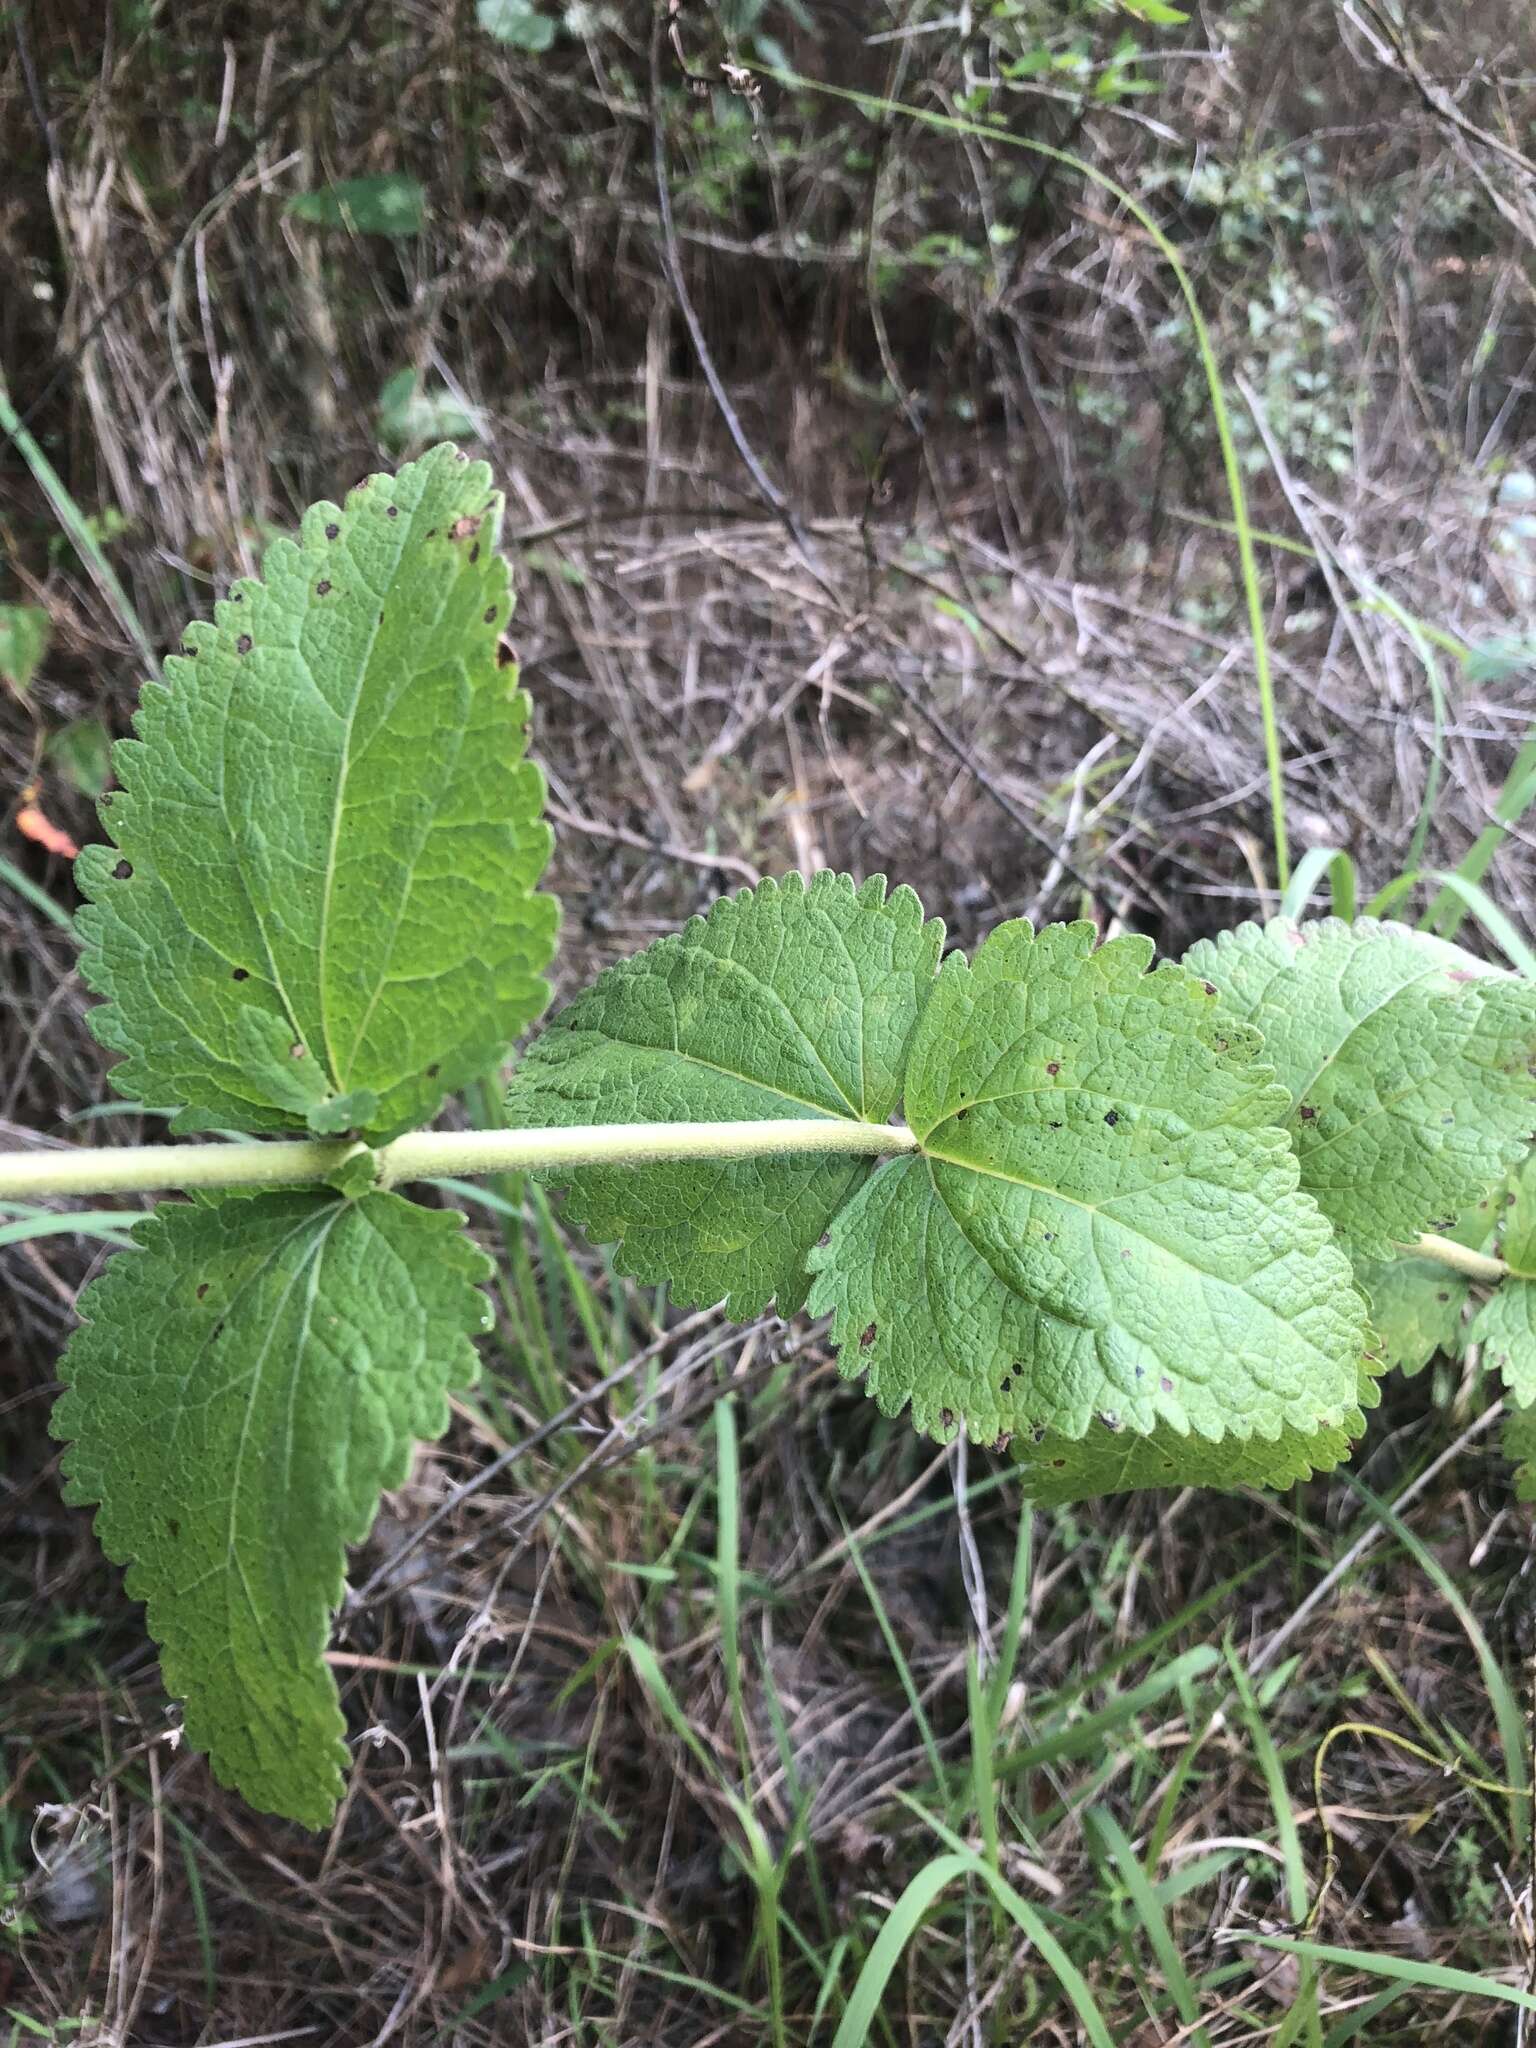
320,913
1130,1233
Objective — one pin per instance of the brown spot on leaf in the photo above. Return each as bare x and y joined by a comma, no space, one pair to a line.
1306,1112
332,531
490,615
123,872
1209,987
323,587
202,1289
1053,1066
241,974
1112,1117
243,644
391,511
466,524
868,1338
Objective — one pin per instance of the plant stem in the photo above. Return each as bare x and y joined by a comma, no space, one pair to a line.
429,1155
1476,1265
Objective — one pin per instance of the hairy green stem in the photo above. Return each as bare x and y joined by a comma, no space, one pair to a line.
1476,1265
428,1155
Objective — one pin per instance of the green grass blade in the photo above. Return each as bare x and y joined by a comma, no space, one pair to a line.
1297,1890
1428,1976
728,1573
1149,1911
1082,1738
903,1921
1353,2025
77,527
903,1668
1309,871
39,899
1494,921
986,131
1507,1713
111,1226
1446,913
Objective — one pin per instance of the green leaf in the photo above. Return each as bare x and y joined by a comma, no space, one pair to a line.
410,417
25,631
1056,1470
1520,1449
516,22
786,1001
1505,1326
1516,1215
1106,1222
327,839
1416,1309
1498,660
242,1389
82,751
1417,1304
1408,1064
388,203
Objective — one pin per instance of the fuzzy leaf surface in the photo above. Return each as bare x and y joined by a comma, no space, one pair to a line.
1407,1062
1515,1237
1505,1326
320,903
1057,1470
1417,1304
243,1386
1416,1309
788,1000
1104,1220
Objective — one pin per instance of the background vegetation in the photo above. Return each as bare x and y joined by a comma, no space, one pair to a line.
869,511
